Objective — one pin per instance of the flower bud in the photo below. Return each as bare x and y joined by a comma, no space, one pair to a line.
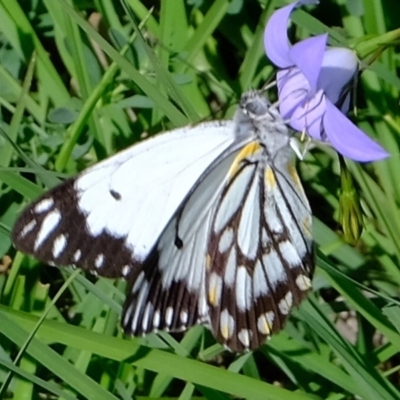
350,217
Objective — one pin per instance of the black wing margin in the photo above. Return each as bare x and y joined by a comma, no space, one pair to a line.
53,229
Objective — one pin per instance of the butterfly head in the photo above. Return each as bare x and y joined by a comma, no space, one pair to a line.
256,109
254,105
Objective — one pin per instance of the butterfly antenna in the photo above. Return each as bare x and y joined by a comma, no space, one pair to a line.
268,85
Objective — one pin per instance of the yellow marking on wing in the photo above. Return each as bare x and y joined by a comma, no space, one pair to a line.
307,227
270,316
212,296
246,152
295,177
267,330
270,177
293,173
214,289
264,327
225,331
208,262
264,323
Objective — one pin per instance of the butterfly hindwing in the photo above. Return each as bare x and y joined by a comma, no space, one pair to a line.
169,292
260,251
107,219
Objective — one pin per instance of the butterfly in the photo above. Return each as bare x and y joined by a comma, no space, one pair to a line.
209,224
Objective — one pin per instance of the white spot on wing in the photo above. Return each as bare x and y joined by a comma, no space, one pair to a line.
98,262
226,240
125,270
215,289
227,324
275,270
303,282
245,336
286,303
144,289
230,269
77,256
59,245
27,228
243,289
260,284
44,205
156,319
271,216
169,314
203,307
289,253
138,283
49,223
249,224
128,315
146,316
264,323
184,317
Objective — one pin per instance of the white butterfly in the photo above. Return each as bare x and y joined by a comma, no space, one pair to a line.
209,224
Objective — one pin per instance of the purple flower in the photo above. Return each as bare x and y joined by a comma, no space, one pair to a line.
311,83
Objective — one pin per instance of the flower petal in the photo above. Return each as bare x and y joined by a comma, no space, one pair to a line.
349,140
308,56
314,112
339,67
308,117
276,41
293,90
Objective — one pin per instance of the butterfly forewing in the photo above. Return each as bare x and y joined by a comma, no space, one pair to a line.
107,219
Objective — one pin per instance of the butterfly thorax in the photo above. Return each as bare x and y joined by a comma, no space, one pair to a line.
259,120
